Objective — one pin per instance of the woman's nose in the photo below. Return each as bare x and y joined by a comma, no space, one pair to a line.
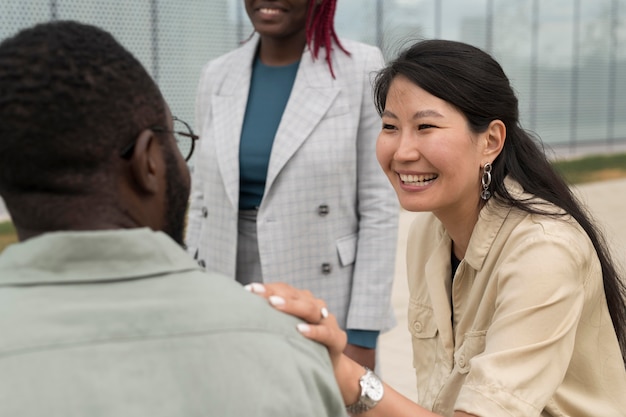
408,149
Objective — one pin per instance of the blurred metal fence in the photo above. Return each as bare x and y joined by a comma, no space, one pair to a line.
565,58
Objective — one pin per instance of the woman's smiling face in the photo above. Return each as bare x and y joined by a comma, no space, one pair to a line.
429,153
278,19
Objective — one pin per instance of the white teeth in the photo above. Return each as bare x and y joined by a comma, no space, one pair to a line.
269,11
417,179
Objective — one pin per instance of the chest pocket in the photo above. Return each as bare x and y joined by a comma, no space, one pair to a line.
425,340
473,345
421,322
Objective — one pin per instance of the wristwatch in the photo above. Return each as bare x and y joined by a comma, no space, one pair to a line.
371,393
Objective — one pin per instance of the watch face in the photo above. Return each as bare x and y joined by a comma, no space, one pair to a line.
373,387
371,393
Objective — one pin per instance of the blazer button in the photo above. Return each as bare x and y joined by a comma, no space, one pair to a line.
205,212
417,326
326,268
202,263
323,210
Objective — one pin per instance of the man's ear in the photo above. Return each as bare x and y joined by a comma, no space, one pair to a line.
145,161
496,135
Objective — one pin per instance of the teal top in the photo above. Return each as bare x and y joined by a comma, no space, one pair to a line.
364,338
125,323
270,88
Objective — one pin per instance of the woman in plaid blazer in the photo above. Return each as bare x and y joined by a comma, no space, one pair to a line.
318,213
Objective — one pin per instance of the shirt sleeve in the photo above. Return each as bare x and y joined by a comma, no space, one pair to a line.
363,338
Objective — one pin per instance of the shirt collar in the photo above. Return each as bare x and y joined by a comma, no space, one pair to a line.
491,220
87,256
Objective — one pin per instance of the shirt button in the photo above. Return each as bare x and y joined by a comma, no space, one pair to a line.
417,326
326,268
323,210
462,361
205,212
202,263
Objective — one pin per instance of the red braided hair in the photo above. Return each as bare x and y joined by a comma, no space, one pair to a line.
320,29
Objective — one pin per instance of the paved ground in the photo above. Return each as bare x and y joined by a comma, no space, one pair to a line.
606,202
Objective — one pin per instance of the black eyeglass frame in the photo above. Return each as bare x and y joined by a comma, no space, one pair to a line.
127,151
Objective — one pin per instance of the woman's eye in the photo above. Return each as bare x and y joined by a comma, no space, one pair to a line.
425,126
387,126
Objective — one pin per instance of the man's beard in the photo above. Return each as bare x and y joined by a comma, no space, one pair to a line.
177,196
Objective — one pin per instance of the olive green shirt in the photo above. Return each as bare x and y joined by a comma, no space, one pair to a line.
125,323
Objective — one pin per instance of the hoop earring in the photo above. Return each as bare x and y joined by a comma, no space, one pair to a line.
485,181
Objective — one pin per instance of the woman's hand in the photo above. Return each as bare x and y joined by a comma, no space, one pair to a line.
320,325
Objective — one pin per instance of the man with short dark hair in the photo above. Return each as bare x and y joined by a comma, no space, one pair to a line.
102,313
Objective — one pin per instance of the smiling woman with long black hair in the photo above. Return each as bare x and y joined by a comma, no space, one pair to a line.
516,307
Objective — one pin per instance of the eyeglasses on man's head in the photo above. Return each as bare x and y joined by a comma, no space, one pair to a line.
185,139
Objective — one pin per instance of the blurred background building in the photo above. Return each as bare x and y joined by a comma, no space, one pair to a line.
565,58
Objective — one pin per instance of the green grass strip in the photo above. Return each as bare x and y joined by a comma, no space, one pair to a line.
6,228
592,168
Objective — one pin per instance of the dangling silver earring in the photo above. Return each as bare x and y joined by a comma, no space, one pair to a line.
485,180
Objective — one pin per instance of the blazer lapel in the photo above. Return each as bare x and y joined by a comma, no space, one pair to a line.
311,96
228,105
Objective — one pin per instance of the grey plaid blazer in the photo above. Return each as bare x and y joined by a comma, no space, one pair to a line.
328,218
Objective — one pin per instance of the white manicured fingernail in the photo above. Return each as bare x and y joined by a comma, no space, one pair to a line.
276,300
255,287
303,327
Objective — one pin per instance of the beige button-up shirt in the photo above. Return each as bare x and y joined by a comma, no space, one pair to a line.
523,329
